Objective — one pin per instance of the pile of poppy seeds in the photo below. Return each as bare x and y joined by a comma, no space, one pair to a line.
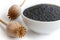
43,12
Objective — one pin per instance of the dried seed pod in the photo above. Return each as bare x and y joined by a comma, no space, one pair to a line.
14,29
14,11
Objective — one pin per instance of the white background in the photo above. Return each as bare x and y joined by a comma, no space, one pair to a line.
6,4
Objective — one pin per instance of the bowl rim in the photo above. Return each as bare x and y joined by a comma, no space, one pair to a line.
39,21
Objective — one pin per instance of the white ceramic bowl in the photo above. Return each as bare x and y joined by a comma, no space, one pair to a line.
41,27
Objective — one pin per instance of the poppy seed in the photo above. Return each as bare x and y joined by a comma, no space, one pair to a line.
43,12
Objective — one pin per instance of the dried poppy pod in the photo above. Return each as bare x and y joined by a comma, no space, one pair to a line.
14,11
14,29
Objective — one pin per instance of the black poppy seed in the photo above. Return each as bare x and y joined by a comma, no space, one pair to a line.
43,12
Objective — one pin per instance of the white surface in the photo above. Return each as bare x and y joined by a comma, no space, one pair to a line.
4,6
